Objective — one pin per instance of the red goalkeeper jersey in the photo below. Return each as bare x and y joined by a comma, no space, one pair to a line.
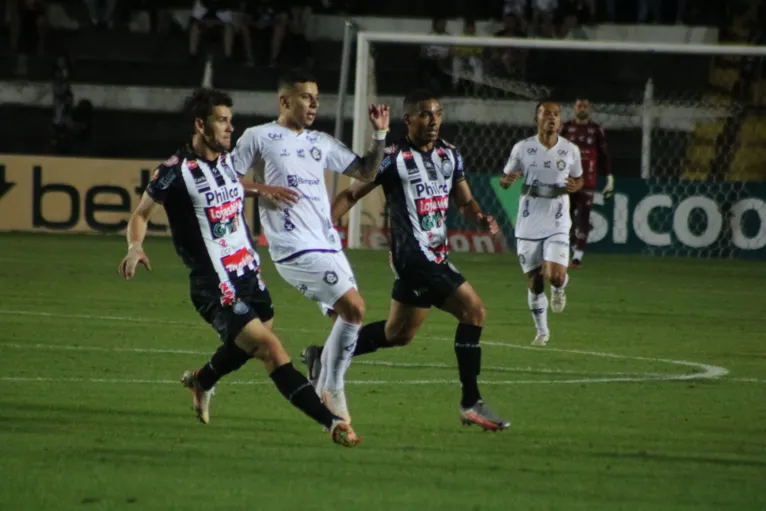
591,140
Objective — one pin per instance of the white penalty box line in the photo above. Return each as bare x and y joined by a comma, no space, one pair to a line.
703,371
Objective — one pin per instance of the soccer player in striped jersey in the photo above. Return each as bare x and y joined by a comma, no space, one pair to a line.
204,202
419,175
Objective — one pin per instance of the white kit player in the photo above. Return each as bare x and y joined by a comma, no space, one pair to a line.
551,169
303,242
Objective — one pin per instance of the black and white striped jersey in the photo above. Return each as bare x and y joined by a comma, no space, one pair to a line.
417,187
204,202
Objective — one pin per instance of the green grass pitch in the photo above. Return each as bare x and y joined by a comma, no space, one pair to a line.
651,395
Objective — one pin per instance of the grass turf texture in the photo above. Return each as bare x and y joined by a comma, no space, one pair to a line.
92,416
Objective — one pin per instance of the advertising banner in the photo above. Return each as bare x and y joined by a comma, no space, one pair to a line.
674,217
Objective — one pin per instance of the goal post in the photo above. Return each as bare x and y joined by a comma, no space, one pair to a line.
685,123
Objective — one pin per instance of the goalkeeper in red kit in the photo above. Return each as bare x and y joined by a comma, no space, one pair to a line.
590,138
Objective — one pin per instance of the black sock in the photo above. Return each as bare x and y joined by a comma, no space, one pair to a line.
371,337
297,389
468,352
226,360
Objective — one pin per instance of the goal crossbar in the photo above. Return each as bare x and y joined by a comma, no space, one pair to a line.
365,38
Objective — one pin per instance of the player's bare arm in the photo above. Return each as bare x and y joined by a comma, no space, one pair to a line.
366,168
345,200
574,184
508,179
470,209
136,233
278,195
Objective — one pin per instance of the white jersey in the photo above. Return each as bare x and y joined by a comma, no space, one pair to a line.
544,203
282,157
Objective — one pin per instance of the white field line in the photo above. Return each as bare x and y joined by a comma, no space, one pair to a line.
706,371
413,365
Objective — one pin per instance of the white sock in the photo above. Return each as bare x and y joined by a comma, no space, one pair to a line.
566,281
538,306
339,348
578,254
322,381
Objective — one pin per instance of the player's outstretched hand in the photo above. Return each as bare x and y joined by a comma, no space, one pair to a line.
489,223
573,185
128,265
280,195
380,117
508,179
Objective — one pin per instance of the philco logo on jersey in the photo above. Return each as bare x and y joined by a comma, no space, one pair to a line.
433,205
430,190
224,194
224,211
293,181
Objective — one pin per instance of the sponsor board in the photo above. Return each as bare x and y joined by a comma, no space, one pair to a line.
77,195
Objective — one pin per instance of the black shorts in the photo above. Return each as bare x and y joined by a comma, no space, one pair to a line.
425,284
253,302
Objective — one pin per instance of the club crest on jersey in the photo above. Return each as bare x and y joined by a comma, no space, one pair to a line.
316,153
192,164
561,165
447,169
241,308
330,277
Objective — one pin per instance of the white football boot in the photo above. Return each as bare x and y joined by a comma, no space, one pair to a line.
558,300
541,339
200,397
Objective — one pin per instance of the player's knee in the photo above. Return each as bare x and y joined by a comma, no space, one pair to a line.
478,314
399,335
557,277
351,308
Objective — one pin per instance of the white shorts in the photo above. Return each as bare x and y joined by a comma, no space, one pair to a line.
532,253
321,276
198,12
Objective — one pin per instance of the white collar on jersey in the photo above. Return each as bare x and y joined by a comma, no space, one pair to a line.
559,139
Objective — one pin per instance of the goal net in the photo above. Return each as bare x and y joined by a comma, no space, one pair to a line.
685,127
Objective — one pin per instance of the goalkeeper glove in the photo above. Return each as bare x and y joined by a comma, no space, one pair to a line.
608,190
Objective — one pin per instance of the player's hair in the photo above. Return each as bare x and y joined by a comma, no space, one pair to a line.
414,97
541,103
288,79
201,103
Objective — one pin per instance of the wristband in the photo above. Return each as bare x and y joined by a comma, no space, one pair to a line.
379,134
138,246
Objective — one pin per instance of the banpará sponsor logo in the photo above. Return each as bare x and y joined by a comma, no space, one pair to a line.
295,180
